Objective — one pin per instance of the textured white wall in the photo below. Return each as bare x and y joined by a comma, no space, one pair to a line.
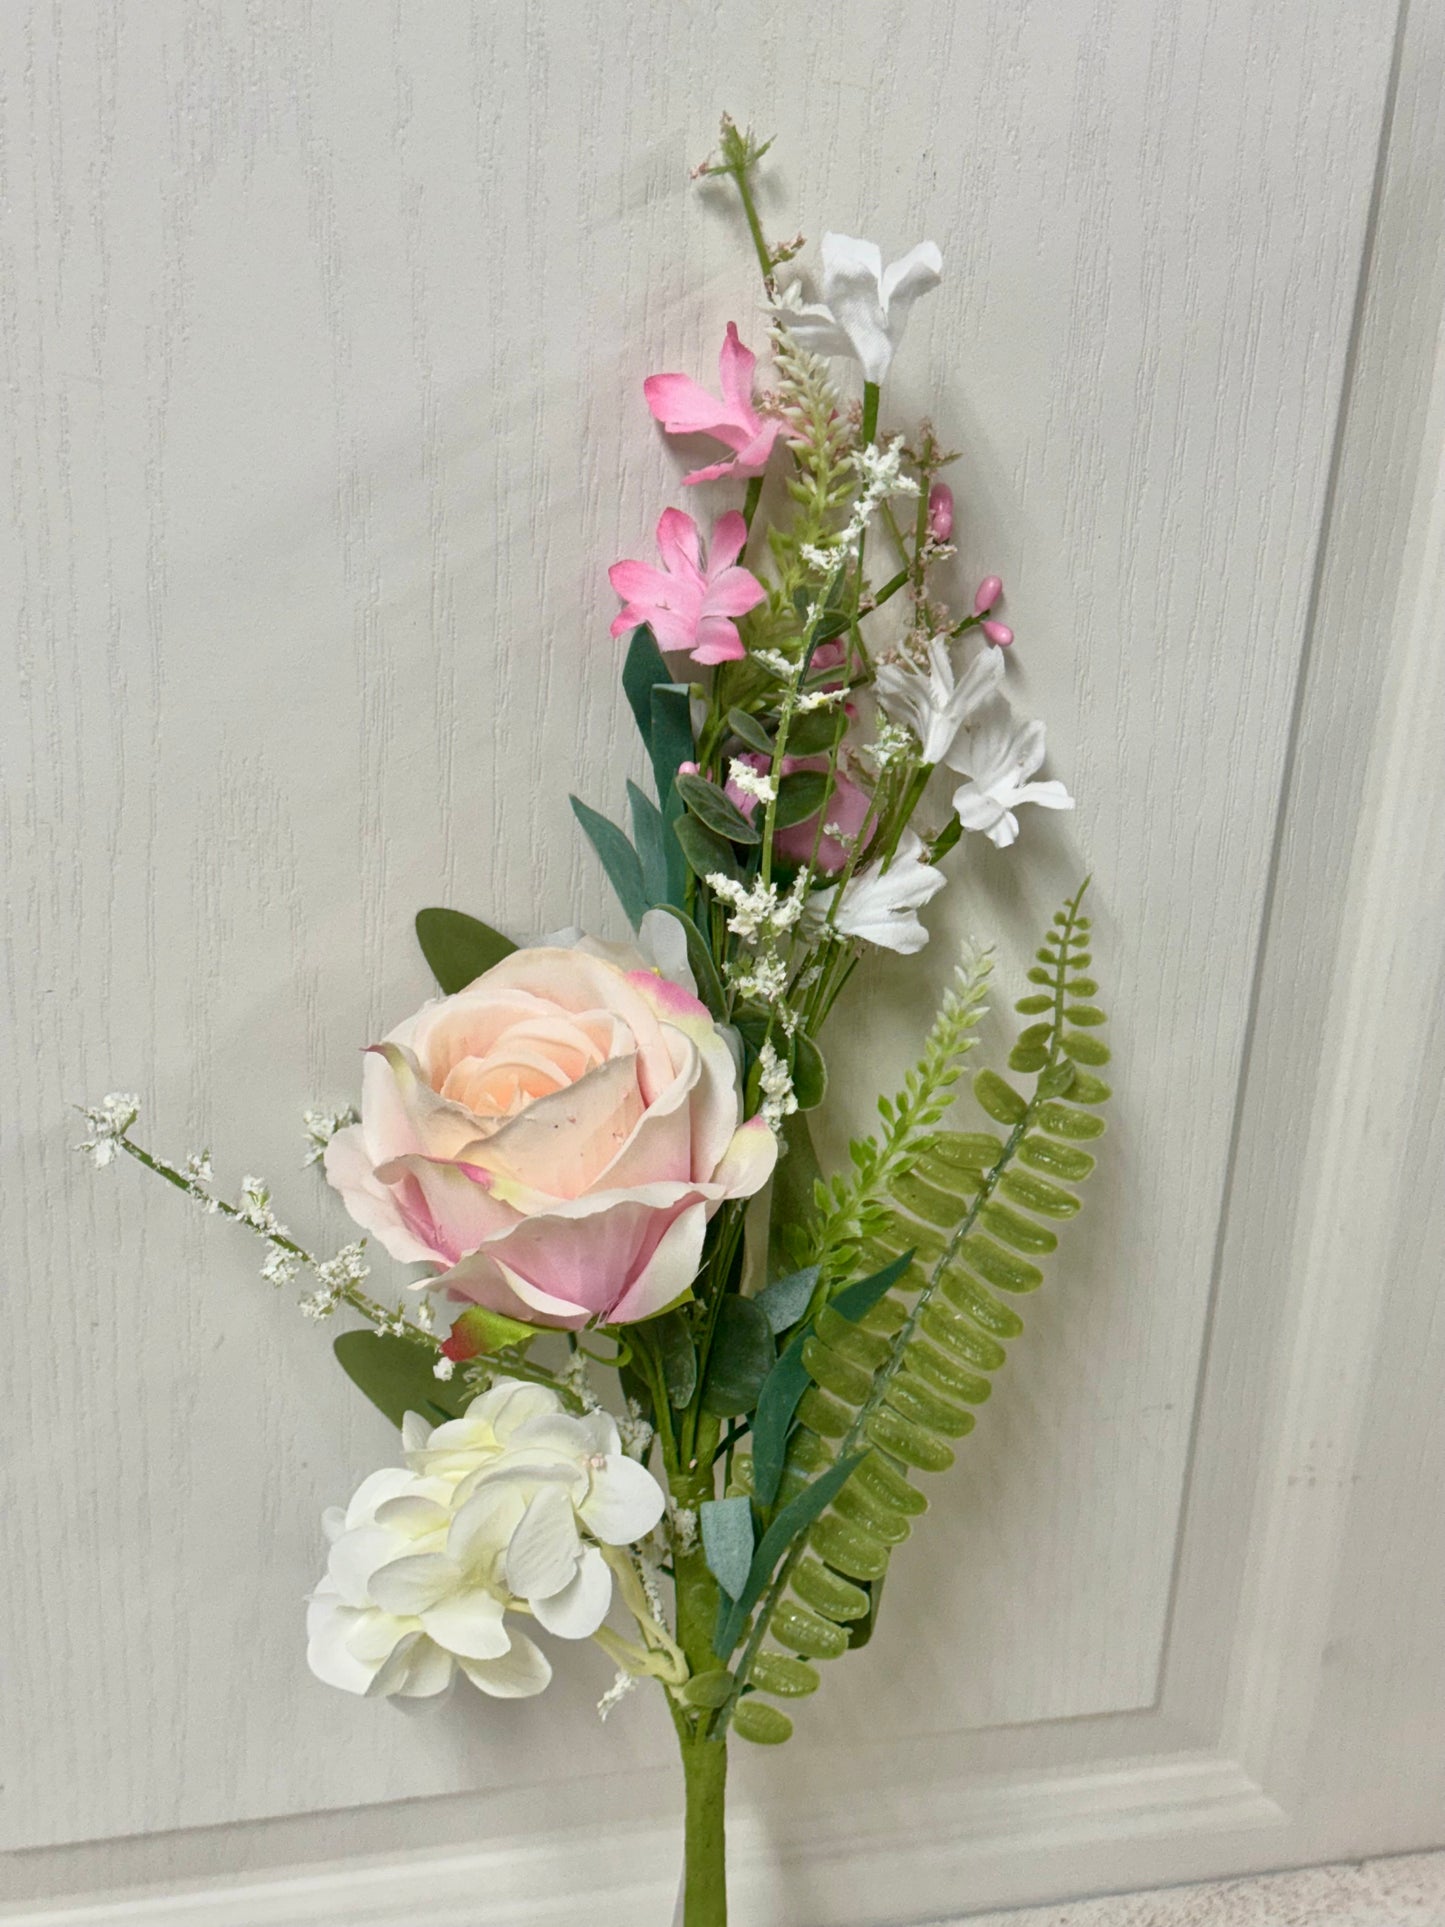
323,335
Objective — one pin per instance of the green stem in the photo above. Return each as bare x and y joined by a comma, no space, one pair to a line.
704,1889
750,500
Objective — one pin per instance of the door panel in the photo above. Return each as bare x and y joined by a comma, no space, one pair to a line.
326,338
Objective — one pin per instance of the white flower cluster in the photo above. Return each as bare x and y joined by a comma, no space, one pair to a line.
515,1508
775,1080
752,782
320,1127
109,1121
761,918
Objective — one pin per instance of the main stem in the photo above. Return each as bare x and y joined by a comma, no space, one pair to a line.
705,1877
704,1756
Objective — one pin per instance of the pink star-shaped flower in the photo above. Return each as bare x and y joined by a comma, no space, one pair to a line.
685,409
688,603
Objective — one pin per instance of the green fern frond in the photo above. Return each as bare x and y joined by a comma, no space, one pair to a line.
977,1210
855,1204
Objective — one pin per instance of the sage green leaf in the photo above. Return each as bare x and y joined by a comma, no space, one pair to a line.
396,1375
459,948
792,1521
672,743
704,968
750,731
678,1355
794,1180
727,1541
810,1074
777,1403
641,672
716,811
706,854
764,1725
649,834
619,860
740,1357
1000,1100
786,1299
800,796
855,1301
815,733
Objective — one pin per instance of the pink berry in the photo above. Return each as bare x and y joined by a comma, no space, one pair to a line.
998,632
989,591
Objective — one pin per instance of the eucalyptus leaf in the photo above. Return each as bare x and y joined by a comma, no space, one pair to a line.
672,744
815,732
855,1301
810,1074
619,860
750,731
794,1519
794,1179
716,811
778,1401
649,834
706,854
704,966
642,671
739,1359
800,796
459,948
727,1541
786,1299
396,1375
678,1354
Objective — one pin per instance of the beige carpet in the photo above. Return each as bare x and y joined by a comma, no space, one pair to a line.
1408,1891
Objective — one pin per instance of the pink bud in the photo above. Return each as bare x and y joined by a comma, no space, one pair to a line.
998,632
940,511
688,769
989,591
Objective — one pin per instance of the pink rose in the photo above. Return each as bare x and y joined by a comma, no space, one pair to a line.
553,1139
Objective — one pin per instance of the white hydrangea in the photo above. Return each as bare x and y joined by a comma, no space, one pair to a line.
506,1509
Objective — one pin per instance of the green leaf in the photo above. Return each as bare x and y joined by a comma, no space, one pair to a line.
794,1519
810,1074
786,1299
672,743
750,731
396,1375
678,1353
946,838
800,796
773,1419
860,1631
855,1301
739,1359
727,1541
458,947
715,810
704,968
619,860
649,834
642,671
798,1172
706,854
815,732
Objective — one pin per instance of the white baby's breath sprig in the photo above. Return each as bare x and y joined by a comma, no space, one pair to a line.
775,1081
755,783
320,1127
339,1278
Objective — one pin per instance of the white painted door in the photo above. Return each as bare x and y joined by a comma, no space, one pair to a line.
323,330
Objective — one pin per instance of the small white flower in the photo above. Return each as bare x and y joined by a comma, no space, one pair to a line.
881,906
998,754
777,662
197,1168
255,1208
865,306
443,1369
934,702
616,1693
281,1267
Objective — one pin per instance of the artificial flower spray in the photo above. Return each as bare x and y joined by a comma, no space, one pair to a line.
662,1386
